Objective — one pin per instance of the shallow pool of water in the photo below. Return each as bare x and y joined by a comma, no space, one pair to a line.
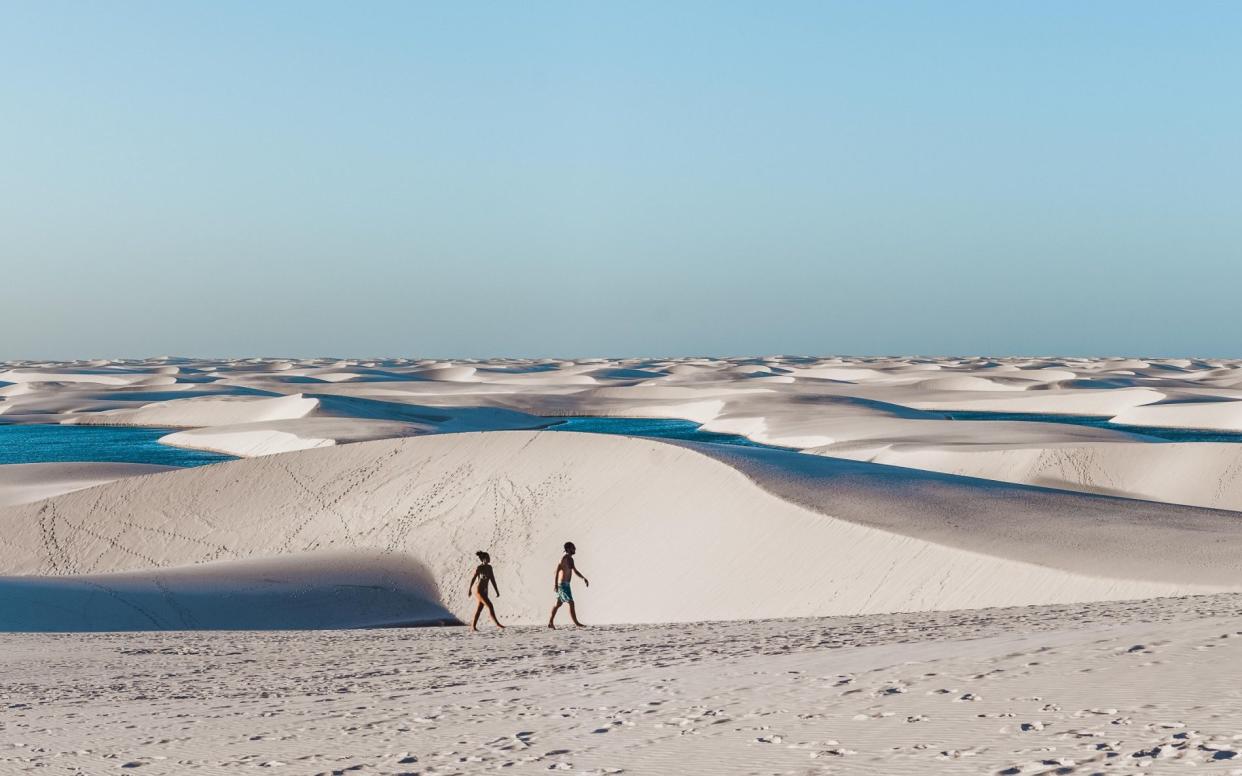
48,443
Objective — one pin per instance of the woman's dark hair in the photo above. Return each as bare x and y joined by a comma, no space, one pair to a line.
483,556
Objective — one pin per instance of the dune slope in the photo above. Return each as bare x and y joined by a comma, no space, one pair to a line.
24,483
318,590
1203,474
713,542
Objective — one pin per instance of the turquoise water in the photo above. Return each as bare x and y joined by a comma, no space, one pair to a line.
659,428
1167,434
46,443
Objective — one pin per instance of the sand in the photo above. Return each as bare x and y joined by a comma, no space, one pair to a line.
249,440
829,608
1139,687
930,541
341,589
205,411
24,483
1204,474
383,456
734,533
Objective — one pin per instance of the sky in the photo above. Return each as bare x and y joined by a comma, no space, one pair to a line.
533,179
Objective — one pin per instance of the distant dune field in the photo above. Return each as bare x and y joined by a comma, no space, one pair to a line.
367,486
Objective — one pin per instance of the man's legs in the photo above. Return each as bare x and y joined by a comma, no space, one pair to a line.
573,614
555,607
478,610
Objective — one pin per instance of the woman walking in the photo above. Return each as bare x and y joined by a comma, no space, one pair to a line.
482,576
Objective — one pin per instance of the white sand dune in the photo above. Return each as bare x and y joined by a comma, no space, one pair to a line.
206,411
1225,415
1203,474
1128,687
825,423
356,589
8,390
849,374
969,383
102,377
1088,535
1077,402
446,372
345,420
708,541
881,409
23,483
738,534
660,392
60,402
248,440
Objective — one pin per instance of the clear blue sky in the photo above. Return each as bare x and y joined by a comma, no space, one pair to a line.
583,178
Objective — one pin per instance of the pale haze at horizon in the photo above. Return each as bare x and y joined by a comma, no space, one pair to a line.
459,179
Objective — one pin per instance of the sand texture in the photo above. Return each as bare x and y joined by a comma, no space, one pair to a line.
735,534
1119,688
878,588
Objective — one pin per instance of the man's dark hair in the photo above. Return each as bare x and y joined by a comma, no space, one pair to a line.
569,546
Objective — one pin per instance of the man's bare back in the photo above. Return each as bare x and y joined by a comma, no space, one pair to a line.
565,572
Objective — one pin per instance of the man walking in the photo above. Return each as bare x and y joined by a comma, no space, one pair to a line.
565,571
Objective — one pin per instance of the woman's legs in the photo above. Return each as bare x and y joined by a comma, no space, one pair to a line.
492,611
